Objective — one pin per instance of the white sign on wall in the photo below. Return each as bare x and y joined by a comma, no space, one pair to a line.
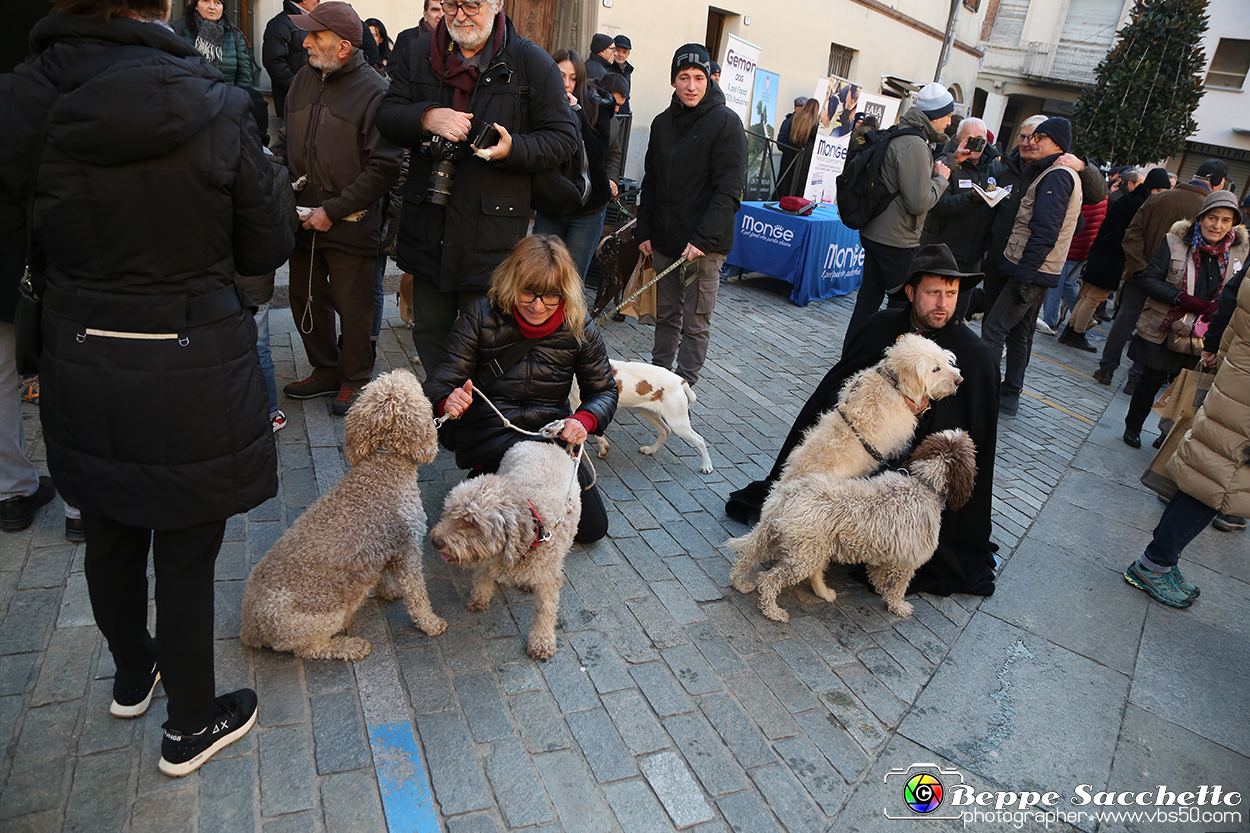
840,101
737,77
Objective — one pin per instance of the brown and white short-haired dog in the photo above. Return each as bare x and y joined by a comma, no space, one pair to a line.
889,522
662,398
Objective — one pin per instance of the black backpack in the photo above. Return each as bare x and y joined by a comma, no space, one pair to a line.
862,193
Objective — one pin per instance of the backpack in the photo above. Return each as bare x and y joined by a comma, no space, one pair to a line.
862,193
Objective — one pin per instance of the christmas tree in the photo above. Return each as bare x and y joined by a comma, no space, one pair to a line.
1140,109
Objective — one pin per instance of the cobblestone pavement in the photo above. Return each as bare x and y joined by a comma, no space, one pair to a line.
672,703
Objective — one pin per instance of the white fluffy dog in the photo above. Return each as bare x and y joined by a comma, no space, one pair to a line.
365,532
516,527
889,522
662,398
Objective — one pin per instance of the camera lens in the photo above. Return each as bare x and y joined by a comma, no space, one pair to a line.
440,181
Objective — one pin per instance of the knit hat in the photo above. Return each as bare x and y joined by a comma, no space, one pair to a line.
800,101
622,42
599,43
1058,129
1222,199
935,101
1156,178
715,68
335,15
691,55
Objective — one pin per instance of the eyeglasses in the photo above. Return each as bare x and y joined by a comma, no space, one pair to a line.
1026,137
470,8
549,299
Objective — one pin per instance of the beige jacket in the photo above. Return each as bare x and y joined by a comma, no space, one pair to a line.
1154,312
1211,461
1020,232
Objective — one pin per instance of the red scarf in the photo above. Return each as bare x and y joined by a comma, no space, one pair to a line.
448,64
1199,246
542,330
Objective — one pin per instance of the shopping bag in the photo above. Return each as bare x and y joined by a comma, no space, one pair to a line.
1156,478
405,299
642,307
1184,396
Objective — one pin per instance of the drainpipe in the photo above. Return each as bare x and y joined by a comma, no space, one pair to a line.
951,22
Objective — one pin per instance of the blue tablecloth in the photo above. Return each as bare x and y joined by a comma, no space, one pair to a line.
817,255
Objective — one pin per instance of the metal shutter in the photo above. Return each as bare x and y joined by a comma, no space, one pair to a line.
1009,22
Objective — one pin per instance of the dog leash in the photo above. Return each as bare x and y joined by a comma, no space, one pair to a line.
641,290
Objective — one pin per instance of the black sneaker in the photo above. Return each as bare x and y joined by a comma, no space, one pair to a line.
1103,377
184,754
18,513
131,698
75,531
1229,523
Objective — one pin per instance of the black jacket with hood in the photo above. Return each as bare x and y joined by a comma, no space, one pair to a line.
691,187
531,393
282,52
152,190
458,246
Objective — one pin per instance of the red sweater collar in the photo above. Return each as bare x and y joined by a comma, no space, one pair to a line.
542,331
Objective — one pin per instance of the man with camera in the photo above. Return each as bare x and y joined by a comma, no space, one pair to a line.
342,169
473,84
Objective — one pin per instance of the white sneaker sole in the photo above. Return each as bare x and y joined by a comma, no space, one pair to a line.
138,709
188,767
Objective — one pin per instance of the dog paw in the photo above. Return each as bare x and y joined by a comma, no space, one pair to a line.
541,647
525,588
776,614
477,605
647,450
744,587
434,626
901,609
827,593
706,469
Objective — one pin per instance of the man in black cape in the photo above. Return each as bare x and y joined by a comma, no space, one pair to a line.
964,561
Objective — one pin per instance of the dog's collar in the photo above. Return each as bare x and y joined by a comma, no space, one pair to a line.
869,447
941,495
541,533
916,409
396,453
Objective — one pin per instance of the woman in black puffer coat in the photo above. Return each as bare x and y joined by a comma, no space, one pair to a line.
150,192
523,345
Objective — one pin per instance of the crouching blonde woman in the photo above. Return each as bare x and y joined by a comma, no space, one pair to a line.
522,346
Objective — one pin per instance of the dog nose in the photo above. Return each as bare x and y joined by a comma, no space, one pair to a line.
959,380
437,542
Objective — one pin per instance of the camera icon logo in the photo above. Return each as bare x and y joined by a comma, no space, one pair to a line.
922,787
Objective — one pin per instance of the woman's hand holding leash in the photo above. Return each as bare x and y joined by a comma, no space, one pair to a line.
459,400
574,432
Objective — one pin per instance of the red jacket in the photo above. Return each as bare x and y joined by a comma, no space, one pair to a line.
1093,214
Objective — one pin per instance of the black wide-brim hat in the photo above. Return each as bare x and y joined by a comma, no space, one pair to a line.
936,259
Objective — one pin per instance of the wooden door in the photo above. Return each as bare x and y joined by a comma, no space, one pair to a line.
533,19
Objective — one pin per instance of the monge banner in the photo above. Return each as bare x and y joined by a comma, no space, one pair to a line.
737,76
840,101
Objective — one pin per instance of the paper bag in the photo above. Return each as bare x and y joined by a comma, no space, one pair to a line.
1184,396
1156,478
405,299
642,307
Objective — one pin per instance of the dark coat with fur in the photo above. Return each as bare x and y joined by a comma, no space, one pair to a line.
531,393
153,190
964,560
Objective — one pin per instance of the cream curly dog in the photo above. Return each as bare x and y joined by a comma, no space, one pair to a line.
889,522
363,534
516,527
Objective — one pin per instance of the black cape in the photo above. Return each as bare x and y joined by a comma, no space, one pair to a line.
964,561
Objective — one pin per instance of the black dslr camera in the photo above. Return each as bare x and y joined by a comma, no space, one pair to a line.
446,154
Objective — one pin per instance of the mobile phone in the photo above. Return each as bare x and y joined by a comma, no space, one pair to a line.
487,137
976,143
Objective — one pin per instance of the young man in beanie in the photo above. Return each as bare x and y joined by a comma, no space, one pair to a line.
331,142
692,180
891,239
602,54
1035,255
621,66
964,560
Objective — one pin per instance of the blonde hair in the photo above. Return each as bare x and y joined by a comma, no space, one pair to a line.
541,264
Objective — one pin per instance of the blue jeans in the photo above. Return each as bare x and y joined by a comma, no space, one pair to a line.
580,233
1067,290
1182,520
379,297
266,355
18,477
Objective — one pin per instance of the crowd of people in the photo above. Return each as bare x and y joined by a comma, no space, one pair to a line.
156,305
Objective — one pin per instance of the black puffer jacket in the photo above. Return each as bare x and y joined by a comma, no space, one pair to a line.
459,246
282,52
153,190
1106,255
691,187
531,393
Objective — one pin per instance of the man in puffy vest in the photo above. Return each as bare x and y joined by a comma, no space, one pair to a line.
1036,252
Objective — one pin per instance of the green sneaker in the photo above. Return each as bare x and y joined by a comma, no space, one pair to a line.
1190,590
1159,585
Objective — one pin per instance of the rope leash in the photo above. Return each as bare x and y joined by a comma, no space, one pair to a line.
312,248
681,260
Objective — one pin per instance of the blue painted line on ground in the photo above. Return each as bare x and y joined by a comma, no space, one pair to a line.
402,781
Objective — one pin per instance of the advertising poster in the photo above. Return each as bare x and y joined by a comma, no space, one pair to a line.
761,128
841,100
737,77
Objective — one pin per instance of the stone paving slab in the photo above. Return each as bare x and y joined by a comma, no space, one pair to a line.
672,703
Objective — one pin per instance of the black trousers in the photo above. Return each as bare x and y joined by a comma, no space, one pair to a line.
116,568
885,267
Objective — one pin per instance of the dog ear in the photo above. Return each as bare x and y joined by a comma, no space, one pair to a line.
961,472
914,365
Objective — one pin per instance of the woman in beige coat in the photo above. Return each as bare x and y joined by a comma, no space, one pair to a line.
1212,465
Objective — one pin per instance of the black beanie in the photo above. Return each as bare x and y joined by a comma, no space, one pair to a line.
1059,130
599,43
691,55
1156,178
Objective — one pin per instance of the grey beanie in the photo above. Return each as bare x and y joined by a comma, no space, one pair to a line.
935,101
1222,199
